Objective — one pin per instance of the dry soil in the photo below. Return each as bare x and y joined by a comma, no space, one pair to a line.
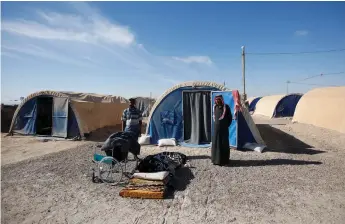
298,179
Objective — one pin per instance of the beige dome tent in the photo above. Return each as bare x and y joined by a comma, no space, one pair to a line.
277,105
323,107
67,114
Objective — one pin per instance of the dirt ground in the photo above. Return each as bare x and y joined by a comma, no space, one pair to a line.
17,148
298,179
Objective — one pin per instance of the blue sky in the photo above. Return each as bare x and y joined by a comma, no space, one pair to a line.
134,48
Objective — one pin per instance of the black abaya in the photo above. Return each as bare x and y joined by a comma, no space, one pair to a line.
220,140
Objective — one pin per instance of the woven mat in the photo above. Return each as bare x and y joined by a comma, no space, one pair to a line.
145,189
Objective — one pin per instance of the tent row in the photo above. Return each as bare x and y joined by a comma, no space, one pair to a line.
277,105
321,107
183,112
274,105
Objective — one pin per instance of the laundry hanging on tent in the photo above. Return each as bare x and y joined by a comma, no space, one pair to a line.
237,102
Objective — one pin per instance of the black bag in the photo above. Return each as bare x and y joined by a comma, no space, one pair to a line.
119,144
164,161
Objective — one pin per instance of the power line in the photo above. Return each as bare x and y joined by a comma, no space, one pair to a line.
320,75
292,53
310,84
310,77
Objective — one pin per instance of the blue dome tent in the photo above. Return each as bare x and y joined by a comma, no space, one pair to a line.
278,105
184,112
252,103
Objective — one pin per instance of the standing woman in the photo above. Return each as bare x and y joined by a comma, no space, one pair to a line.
220,140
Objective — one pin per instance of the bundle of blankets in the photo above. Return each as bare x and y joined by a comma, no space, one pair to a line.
119,144
154,175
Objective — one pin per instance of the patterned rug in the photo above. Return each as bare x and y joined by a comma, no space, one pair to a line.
145,189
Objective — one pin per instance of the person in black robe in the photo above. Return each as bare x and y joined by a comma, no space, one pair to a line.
220,140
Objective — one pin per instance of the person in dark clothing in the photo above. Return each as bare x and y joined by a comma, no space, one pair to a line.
222,117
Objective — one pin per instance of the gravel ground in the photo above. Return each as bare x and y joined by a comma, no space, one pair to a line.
298,179
18,148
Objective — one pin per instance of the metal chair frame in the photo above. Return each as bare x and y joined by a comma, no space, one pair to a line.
108,164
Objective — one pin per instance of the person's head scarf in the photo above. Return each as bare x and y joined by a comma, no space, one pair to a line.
215,104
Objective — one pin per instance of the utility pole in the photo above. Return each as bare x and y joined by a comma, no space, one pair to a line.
244,73
287,87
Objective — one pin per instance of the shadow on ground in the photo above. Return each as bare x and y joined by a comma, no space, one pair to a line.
199,157
181,180
279,141
101,134
271,162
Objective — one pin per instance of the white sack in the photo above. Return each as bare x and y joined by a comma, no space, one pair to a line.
254,146
166,142
152,176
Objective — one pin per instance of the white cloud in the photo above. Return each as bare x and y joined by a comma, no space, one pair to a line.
195,59
37,51
301,32
69,27
10,55
87,39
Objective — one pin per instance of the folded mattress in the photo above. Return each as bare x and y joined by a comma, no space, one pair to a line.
145,189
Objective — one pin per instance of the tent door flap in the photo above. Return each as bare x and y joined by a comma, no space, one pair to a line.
229,100
60,117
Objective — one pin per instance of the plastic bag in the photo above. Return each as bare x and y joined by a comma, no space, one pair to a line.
254,147
144,140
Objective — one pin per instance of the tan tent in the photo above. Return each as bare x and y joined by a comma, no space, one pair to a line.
277,105
67,114
323,107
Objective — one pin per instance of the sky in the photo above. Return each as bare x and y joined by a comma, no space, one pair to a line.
134,48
